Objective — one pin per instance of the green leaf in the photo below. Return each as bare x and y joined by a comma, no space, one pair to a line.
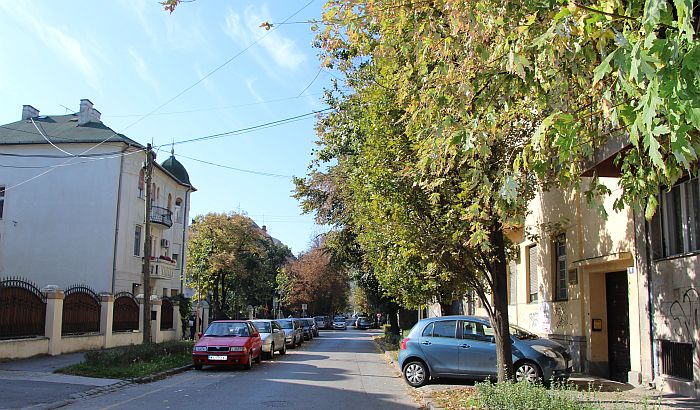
603,69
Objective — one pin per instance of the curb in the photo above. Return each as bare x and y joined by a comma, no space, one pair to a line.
161,375
427,400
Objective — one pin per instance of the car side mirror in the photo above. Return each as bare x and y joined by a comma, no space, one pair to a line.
256,334
275,330
492,339
199,335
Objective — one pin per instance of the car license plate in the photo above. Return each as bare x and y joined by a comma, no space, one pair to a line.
217,357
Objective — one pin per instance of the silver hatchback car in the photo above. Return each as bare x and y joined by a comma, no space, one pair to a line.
272,335
464,347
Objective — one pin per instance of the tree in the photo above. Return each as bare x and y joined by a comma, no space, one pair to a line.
234,260
317,282
456,115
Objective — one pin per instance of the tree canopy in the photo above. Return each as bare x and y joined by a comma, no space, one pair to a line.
235,261
453,114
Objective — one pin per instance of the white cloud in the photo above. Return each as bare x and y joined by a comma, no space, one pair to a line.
246,29
249,83
142,70
63,45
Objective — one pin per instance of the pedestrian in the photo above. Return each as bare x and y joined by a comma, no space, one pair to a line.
192,326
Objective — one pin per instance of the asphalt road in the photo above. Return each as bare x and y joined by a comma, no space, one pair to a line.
338,370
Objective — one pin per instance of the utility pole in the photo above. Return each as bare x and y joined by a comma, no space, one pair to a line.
148,173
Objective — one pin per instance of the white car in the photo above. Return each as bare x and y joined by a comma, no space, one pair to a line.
272,336
339,323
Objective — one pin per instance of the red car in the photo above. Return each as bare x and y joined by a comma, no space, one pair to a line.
228,342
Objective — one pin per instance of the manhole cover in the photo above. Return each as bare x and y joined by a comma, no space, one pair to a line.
275,403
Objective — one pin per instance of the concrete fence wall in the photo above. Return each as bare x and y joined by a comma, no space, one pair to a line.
53,343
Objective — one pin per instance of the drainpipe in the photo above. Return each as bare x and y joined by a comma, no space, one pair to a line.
649,266
116,222
184,232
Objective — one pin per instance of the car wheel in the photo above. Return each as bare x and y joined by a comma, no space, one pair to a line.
198,367
527,371
284,349
249,365
259,358
415,373
271,355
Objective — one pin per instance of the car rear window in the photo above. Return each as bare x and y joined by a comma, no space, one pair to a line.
263,327
445,328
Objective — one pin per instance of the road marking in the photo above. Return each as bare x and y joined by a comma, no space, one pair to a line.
148,393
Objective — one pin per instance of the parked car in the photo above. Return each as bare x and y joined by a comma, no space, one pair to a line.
312,323
464,347
228,342
339,323
293,334
363,323
306,328
322,322
272,336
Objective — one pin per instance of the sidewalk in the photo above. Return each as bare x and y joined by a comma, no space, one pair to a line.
32,382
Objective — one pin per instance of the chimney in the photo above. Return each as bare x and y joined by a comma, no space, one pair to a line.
264,228
87,113
29,112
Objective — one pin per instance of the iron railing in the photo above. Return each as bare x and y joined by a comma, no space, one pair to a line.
162,216
22,309
81,311
677,359
126,312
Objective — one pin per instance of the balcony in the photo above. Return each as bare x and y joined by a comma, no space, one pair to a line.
603,162
162,216
162,269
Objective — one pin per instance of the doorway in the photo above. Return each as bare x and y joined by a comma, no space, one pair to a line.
616,294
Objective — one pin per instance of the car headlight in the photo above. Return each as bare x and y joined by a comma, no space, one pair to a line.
200,348
547,351
237,349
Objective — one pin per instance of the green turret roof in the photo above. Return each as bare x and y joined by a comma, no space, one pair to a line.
176,169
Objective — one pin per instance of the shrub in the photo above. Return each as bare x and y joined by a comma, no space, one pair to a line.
529,396
136,353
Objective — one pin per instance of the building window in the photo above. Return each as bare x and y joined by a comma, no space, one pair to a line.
170,202
142,184
2,200
677,359
176,258
178,210
137,241
513,283
680,219
561,290
533,274
174,292
135,288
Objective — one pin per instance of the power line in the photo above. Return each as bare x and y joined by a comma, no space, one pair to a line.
249,129
49,141
248,171
225,107
210,73
5,154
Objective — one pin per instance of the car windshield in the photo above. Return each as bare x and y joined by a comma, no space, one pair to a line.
521,333
339,319
286,324
263,327
224,329
363,320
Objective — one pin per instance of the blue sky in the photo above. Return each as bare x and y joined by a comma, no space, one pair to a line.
130,57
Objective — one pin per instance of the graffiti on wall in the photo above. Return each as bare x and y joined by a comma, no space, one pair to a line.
684,312
561,318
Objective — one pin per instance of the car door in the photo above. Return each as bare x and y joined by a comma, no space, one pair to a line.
277,334
477,349
440,346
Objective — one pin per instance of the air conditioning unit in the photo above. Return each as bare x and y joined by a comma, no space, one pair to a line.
164,243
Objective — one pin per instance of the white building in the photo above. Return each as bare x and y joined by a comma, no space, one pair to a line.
72,206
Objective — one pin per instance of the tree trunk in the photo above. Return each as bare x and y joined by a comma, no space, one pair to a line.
393,321
499,295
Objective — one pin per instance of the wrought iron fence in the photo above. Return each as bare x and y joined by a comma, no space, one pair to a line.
126,312
22,309
81,311
166,314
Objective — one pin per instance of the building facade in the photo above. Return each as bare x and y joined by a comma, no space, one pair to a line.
72,206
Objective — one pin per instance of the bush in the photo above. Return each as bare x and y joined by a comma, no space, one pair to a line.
136,353
529,396
391,338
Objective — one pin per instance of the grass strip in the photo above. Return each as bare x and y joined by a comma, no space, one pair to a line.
128,362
